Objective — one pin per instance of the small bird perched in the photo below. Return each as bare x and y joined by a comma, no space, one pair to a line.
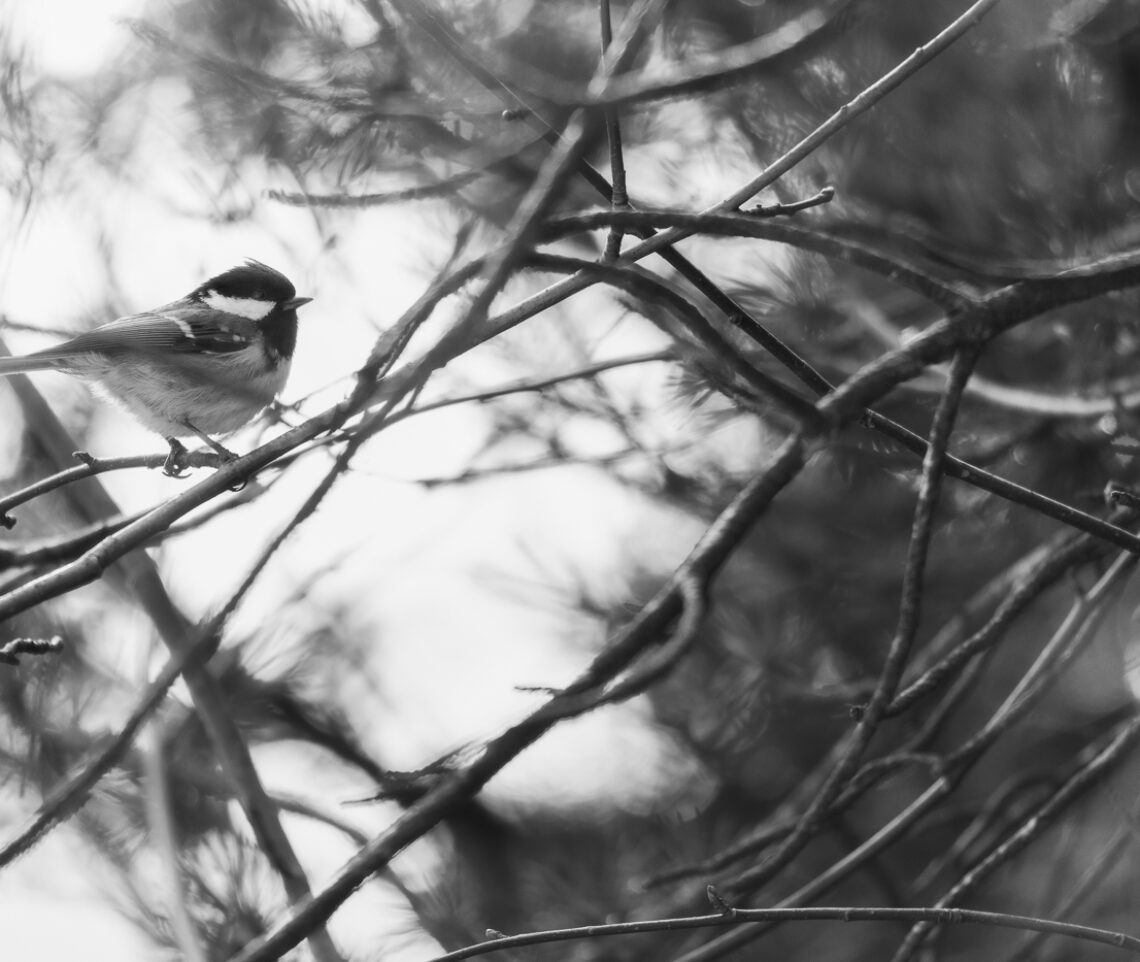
203,365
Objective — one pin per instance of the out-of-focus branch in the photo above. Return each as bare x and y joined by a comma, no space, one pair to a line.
619,198
164,839
67,798
556,170
1101,866
760,225
792,42
42,551
443,188
649,289
139,576
542,384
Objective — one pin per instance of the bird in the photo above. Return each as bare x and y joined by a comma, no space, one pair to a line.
202,366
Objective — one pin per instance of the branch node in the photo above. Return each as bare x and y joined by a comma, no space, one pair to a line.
494,934
1116,495
823,196
718,902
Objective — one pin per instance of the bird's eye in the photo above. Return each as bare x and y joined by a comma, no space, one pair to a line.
259,295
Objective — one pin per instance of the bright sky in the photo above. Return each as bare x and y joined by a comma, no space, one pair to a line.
451,645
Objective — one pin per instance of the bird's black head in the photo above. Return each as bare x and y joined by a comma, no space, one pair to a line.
251,287
257,293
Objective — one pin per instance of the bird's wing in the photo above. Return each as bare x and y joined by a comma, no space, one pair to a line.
181,330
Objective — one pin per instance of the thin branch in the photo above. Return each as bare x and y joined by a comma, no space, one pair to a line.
717,545
652,290
163,834
470,475
1101,762
66,799
1022,584
693,590
441,188
773,831
88,469
41,551
951,775
442,35
731,915
1100,867
993,315
1067,641
909,609
792,42
557,292
556,170
757,223
1047,571
541,384
619,198
140,578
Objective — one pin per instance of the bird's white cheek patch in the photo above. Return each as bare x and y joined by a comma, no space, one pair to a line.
248,307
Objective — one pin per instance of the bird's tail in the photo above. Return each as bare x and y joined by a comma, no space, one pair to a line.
22,365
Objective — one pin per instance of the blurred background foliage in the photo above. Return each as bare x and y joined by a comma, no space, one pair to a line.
1013,155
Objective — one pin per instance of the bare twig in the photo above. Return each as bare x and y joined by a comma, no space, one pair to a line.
909,608
90,468
619,198
160,824
794,41
1049,568
140,577
716,223
1097,764
732,915
67,798
806,373
420,192
1100,867
646,628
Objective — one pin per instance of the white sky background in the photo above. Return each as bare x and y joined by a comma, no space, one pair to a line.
444,584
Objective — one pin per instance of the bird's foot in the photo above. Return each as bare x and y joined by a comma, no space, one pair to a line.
225,455
175,465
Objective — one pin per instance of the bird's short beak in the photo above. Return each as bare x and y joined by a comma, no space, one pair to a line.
293,303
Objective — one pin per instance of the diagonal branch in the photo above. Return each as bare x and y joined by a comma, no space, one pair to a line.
646,629
909,609
139,576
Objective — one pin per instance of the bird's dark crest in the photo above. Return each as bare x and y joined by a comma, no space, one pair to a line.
251,279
